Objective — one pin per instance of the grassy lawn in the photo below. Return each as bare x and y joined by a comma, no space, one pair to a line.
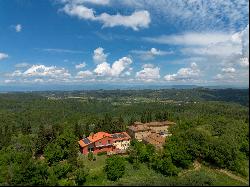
146,176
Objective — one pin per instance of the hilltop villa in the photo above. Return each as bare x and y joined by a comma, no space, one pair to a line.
105,142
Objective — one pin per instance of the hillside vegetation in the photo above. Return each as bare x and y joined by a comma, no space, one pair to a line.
40,130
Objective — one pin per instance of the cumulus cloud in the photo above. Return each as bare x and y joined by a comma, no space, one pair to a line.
117,68
149,73
209,44
84,74
40,74
79,11
99,56
18,28
227,74
3,56
120,65
185,74
137,20
42,71
150,54
228,49
204,44
79,66
103,69
228,70
49,71
225,77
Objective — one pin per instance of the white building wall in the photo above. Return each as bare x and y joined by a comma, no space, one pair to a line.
123,145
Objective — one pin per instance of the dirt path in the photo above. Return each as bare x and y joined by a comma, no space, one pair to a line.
232,175
197,165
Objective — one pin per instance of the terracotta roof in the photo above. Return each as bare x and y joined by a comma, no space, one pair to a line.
93,138
97,136
82,144
155,139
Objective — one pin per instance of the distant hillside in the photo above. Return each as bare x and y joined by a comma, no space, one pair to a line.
195,94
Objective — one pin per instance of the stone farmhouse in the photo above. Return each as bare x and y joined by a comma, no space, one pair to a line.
153,132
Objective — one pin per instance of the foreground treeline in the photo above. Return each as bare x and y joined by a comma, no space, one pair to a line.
38,144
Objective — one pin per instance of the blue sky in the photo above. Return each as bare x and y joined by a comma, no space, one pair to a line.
77,42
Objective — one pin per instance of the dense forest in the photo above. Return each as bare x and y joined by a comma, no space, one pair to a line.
40,130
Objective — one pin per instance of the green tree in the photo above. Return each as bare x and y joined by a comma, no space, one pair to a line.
80,176
115,167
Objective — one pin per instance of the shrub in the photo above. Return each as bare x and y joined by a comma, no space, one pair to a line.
115,167
90,155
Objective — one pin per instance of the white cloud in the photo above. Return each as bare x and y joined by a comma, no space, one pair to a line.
244,62
97,2
117,68
194,14
99,56
242,37
225,77
137,20
103,69
38,80
228,70
220,50
120,65
55,50
184,74
22,65
16,73
7,81
149,73
18,28
227,74
196,39
79,66
79,11
3,56
84,74
47,71
209,44
42,71
150,54
41,74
